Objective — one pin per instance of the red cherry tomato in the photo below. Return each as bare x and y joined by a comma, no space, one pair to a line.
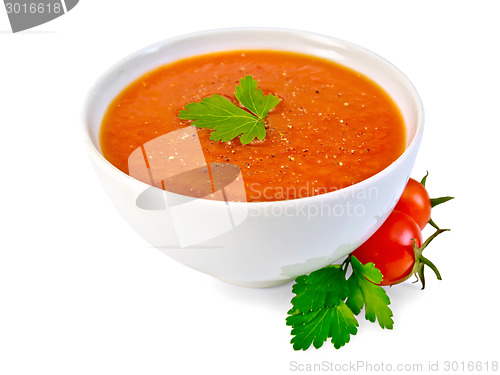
390,248
415,202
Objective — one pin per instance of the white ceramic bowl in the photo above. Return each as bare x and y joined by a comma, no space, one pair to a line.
256,244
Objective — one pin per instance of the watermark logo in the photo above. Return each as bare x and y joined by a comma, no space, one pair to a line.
25,14
174,163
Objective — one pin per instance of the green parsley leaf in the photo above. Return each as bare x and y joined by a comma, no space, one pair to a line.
253,99
365,292
227,120
230,121
315,327
319,311
344,325
325,304
325,287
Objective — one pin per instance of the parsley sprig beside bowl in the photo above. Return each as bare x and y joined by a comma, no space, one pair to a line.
326,302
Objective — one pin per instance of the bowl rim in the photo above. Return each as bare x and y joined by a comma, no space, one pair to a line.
414,142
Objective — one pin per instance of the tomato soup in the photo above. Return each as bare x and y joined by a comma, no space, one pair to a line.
333,127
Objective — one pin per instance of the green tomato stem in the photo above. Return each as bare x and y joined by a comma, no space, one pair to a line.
434,235
433,224
431,265
421,261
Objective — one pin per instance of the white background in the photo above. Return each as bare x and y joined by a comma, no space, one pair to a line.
81,293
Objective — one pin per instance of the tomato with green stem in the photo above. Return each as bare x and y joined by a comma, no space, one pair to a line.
415,202
396,250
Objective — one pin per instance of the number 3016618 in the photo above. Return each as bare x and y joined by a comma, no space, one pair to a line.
33,8
470,366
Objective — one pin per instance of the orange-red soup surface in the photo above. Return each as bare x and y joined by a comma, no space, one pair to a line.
333,127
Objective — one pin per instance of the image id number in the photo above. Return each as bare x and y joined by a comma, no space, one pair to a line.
470,366
33,8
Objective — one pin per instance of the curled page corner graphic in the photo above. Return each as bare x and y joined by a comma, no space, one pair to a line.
70,4
175,163
26,14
